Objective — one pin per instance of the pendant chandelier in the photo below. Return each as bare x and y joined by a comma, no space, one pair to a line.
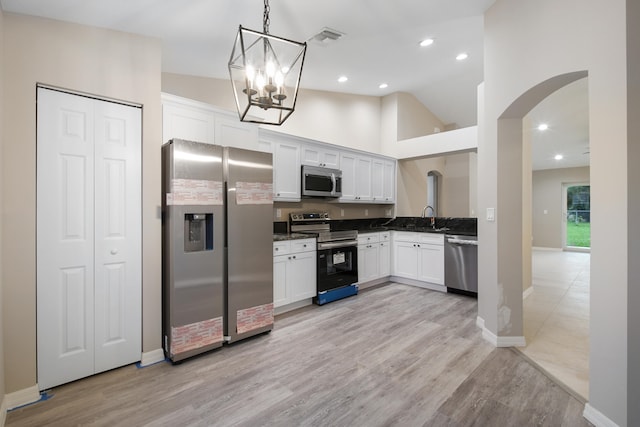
265,73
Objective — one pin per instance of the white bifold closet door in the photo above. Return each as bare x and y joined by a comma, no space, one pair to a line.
89,253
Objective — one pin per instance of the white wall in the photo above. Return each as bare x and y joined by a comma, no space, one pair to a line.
528,44
547,196
91,60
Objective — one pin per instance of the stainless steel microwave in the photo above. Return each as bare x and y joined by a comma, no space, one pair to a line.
321,182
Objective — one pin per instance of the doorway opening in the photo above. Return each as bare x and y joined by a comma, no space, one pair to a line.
577,217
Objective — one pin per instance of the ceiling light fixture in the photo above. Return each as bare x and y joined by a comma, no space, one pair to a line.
342,79
426,42
543,126
558,157
265,74
462,56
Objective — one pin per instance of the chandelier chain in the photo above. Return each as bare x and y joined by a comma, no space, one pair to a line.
265,17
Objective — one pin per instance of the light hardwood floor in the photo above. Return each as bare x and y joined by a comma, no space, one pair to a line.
392,355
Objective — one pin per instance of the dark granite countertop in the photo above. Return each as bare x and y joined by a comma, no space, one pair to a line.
278,237
457,226
442,225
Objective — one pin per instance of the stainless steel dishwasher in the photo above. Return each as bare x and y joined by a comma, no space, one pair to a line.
461,264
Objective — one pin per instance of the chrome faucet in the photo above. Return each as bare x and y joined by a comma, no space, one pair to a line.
424,210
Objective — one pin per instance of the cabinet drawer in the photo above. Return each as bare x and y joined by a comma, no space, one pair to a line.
365,238
281,248
304,245
385,236
432,238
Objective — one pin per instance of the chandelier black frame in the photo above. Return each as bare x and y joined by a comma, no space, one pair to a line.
265,74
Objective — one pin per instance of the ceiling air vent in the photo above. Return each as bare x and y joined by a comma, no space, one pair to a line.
326,36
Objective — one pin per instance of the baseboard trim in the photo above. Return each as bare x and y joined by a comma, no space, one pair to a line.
527,292
21,397
418,283
497,341
542,248
596,417
480,322
151,357
3,410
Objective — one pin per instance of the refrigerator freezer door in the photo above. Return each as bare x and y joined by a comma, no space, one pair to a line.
249,289
193,248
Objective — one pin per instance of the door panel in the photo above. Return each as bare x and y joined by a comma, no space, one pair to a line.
118,250
64,220
88,236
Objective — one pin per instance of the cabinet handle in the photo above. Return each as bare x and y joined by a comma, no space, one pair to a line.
294,257
289,258
277,249
304,246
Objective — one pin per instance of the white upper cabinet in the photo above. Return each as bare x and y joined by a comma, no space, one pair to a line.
367,178
317,155
356,177
196,121
286,164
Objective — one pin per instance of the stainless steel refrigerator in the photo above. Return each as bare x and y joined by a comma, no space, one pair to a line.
217,229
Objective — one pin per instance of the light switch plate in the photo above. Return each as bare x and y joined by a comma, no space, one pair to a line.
491,214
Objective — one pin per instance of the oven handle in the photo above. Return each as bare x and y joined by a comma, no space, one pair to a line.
340,244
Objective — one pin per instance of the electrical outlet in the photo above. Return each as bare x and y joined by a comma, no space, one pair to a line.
366,212
341,212
387,212
278,213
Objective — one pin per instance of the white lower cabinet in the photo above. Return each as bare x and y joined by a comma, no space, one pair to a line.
294,271
419,256
374,256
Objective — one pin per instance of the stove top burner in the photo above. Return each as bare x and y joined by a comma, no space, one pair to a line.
319,224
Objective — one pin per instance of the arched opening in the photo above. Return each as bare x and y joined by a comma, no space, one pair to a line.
515,231
434,186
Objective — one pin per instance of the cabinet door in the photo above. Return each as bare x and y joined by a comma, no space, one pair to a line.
384,256
389,182
280,267
286,172
191,123
363,179
367,262
230,132
405,260
317,156
431,268
348,165
377,180
302,277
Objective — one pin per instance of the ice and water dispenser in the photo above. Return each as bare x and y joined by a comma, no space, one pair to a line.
198,232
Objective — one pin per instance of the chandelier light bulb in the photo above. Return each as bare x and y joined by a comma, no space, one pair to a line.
271,69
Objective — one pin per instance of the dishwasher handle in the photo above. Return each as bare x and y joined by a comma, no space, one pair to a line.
462,242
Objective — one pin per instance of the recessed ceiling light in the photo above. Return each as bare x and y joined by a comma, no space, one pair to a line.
558,157
383,86
462,56
342,79
543,126
426,42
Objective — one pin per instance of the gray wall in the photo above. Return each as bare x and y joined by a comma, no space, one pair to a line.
547,195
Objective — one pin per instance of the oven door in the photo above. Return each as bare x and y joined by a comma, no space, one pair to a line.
337,265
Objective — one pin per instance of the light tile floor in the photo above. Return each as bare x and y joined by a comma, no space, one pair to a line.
556,317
